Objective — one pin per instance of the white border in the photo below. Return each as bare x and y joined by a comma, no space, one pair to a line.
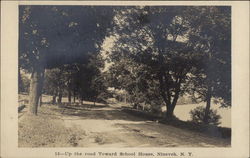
240,81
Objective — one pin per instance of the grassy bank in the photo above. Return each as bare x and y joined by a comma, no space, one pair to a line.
209,130
46,130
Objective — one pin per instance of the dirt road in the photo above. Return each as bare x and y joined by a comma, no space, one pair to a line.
106,126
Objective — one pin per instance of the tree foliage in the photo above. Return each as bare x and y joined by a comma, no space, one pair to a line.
159,53
211,36
51,36
57,35
198,114
169,47
153,48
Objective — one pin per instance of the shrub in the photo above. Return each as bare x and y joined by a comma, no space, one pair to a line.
24,83
197,116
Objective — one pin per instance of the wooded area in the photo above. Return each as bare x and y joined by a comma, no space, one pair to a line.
154,55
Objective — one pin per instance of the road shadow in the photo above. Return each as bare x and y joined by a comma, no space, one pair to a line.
103,112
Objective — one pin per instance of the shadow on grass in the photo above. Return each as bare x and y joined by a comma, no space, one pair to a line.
209,130
104,112
97,105
83,106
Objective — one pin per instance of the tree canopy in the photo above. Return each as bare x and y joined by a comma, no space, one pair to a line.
171,46
159,53
56,35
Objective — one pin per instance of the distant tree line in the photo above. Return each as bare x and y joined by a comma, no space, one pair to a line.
76,81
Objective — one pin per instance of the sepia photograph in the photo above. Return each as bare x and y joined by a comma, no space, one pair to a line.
124,76
94,79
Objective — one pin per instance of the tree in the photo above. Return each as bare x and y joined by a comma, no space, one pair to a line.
89,82
172,45
150,37
51,36
54,83
136,80
85,80
99,86
211,36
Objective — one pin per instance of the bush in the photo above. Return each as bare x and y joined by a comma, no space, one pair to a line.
197,116
24,83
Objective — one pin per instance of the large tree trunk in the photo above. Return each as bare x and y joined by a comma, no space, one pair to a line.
34,93
41,88
170,112
208,100
171,107
209,88
169,100
164,90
